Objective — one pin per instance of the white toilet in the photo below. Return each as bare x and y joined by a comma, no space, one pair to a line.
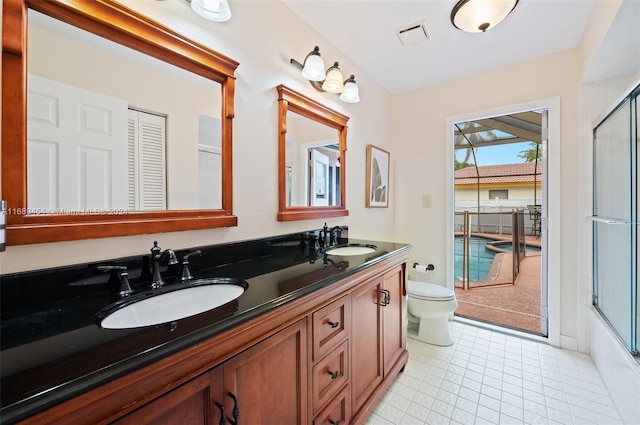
431,305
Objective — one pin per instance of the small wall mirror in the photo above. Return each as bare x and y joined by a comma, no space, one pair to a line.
312,143
113,124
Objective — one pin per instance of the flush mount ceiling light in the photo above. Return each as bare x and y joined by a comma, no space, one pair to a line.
480,15
213,10
330,81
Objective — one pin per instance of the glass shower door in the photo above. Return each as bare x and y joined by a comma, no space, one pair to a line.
615,219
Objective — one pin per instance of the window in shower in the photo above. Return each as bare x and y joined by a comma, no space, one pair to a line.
615,219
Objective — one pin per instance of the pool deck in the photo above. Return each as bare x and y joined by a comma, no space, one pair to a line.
497,300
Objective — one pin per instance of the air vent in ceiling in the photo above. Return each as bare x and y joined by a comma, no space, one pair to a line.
413,34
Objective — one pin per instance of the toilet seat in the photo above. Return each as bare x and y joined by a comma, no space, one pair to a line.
429,291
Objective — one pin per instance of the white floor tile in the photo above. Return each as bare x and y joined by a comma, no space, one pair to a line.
488,377
490,415
462,416
490,402
418,411
434,418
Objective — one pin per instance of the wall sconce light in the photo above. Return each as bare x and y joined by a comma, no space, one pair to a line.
330,81
480,15
212,10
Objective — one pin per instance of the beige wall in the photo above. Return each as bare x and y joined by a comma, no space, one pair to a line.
262,36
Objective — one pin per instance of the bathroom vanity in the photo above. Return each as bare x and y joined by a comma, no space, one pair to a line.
315,338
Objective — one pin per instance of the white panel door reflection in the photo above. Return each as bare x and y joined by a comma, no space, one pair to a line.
77,149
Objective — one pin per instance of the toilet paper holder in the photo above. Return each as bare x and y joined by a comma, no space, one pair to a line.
426,268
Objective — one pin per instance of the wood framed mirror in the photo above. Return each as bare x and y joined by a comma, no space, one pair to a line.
312,146
29,176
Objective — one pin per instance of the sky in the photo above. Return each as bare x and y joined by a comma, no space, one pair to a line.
495,155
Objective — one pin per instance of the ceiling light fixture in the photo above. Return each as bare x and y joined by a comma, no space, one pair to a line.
213,10
480,15
330,81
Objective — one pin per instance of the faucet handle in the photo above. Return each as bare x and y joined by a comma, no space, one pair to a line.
186,273
125,287
187,256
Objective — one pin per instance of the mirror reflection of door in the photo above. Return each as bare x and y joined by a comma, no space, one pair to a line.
76,160
308,183
319,179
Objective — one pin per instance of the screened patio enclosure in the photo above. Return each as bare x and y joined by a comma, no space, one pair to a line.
493,212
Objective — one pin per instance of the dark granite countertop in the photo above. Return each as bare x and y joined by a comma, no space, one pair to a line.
52,347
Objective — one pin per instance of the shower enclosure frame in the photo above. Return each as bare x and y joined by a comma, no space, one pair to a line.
616,158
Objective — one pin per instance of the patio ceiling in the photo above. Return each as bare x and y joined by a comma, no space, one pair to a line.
512,128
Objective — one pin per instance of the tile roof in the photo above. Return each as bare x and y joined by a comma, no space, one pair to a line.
505,173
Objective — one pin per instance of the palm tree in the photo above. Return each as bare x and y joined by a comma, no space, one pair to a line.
532,154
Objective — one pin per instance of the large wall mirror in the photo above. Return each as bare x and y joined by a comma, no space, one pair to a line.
112,124
312,145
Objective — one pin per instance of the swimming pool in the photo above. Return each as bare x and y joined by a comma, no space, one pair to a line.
480,257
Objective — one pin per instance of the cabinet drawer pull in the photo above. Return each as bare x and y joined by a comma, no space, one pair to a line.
387,297
223,419
334,375
334,324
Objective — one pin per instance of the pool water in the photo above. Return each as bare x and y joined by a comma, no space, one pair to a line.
480,258
508,247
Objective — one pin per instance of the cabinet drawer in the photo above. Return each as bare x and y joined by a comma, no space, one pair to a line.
330,375
338,412
330,326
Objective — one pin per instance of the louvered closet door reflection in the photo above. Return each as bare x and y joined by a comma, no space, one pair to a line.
146,161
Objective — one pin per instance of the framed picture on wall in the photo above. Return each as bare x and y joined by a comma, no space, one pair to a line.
377,177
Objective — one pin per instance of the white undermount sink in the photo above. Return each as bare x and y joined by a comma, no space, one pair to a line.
177,302
354,249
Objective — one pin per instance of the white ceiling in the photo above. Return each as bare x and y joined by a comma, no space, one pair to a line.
365,31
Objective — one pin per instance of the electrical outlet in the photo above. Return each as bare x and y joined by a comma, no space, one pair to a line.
426,201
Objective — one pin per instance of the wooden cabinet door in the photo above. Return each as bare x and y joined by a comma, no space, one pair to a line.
269,380
189,404
394,335
366,337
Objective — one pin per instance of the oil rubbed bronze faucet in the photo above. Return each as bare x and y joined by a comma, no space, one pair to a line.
156,255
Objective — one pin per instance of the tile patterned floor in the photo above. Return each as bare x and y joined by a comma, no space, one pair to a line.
488,377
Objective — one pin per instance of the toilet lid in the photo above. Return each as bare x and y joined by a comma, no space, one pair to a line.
429,291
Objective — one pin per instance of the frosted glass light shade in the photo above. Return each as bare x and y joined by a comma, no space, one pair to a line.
480,15
334,81
213,10
350,94
313,68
